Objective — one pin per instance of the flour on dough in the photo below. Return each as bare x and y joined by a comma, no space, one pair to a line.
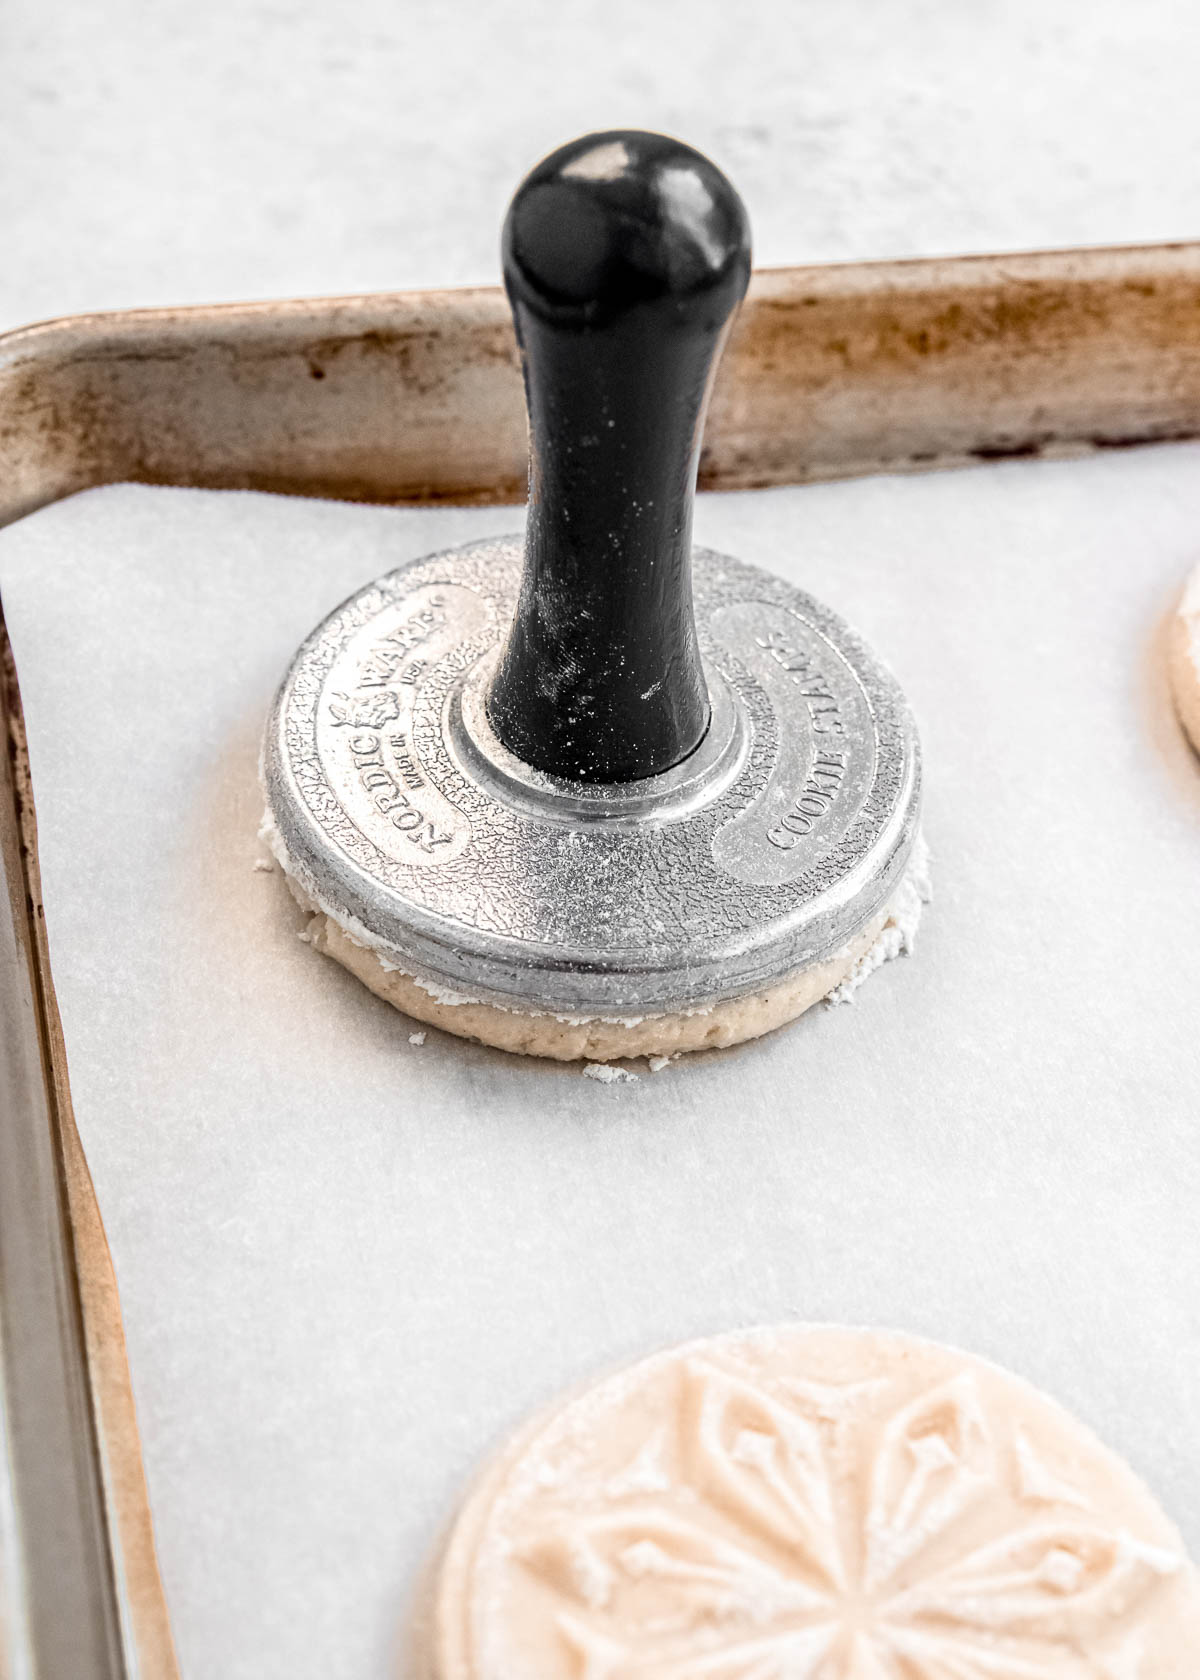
600,1039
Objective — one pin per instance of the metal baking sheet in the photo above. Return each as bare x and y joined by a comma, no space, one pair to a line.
349,1263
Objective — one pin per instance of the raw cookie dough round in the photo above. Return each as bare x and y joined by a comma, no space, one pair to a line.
811,1503
595,1040
1184,658
890,933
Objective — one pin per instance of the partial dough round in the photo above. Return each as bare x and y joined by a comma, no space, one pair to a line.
599,1039
811,1503
1184,658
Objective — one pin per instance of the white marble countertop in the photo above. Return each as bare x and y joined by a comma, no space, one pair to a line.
185,153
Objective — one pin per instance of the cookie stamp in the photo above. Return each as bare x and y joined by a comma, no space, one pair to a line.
592,774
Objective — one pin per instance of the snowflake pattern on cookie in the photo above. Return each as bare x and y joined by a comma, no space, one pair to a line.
773,1528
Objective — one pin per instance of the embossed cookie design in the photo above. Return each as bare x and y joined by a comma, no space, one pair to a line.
811,1504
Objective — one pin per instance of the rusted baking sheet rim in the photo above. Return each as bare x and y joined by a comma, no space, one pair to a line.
416,397
85,1598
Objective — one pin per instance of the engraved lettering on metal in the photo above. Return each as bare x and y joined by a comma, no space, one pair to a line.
816,799
820,681
371,696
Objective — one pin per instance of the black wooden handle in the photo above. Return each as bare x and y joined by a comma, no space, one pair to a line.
625,256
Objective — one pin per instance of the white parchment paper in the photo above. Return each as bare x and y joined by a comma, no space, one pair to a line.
348,1264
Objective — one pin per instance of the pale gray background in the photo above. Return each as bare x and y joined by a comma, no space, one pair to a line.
164,151
347,1264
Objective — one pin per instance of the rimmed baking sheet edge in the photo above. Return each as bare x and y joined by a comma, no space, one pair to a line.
831,372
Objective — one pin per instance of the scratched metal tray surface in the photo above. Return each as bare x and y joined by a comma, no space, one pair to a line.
349,1262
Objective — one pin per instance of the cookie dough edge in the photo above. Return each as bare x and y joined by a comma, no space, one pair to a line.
731,1021
1183,660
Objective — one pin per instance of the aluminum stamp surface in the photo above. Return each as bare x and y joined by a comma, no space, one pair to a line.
767,849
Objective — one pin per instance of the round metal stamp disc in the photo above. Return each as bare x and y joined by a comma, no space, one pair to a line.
767,849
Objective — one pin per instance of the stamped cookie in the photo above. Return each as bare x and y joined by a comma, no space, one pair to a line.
811,1503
